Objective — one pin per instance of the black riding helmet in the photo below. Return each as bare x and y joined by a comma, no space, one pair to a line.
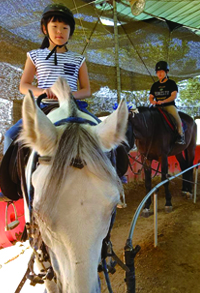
162,65
59,10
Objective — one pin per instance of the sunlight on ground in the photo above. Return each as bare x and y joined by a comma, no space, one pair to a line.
13,265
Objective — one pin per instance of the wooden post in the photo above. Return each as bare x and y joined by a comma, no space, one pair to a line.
117,51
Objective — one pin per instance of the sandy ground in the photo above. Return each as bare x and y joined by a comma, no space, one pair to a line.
173,266
13,265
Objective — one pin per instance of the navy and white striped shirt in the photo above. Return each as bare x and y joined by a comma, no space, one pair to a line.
47,72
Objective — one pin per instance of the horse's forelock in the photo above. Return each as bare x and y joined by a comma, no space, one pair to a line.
75,142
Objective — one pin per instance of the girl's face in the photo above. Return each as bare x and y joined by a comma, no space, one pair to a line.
59,32
161,74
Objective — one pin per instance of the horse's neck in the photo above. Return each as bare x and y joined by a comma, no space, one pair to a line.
143,125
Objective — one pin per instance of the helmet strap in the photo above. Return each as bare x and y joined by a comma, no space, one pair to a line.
166,77
54,49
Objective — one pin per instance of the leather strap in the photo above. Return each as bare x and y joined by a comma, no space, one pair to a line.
21,284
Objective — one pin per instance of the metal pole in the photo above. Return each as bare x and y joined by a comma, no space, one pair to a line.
139,208
155,219
130,254
195,184
116,51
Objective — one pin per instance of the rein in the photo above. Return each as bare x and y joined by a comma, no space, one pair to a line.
143,166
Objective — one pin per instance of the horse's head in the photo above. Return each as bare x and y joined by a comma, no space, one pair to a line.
73,206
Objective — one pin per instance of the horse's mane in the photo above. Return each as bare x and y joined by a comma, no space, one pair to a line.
151,113
143,109
76,142
146,121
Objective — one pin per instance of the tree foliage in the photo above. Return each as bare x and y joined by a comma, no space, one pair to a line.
189,96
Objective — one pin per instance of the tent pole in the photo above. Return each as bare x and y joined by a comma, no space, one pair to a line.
116,51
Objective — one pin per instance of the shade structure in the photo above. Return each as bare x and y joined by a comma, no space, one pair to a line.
141,42
166,30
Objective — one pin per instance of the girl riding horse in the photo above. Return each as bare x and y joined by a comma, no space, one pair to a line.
163,94
52,60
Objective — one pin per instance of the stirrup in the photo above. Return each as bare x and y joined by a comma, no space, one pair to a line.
14,223
180,139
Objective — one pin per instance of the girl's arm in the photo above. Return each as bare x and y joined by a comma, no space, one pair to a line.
151,99
27,79
84,83
170,99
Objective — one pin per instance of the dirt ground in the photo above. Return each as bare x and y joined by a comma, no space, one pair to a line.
174,265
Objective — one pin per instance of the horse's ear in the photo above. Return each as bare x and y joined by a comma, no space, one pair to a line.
111,132
61,89
38,131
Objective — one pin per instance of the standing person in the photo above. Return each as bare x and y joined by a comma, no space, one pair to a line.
52,60
163,94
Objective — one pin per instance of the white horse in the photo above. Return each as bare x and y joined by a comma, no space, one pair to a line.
72,206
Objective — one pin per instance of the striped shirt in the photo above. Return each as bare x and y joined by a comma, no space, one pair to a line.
47,72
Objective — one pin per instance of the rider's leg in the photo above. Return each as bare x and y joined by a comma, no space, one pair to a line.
173,111
11,134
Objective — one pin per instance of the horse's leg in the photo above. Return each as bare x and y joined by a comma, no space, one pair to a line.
188,162
164,170
183,166
189,154
147,173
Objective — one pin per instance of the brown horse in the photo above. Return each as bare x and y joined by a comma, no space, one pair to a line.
156,141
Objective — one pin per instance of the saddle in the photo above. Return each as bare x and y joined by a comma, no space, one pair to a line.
15,158
10,172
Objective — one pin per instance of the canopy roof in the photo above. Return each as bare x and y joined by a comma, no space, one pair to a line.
167,30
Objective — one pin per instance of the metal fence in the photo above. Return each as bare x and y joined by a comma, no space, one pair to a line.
130,251
154,190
